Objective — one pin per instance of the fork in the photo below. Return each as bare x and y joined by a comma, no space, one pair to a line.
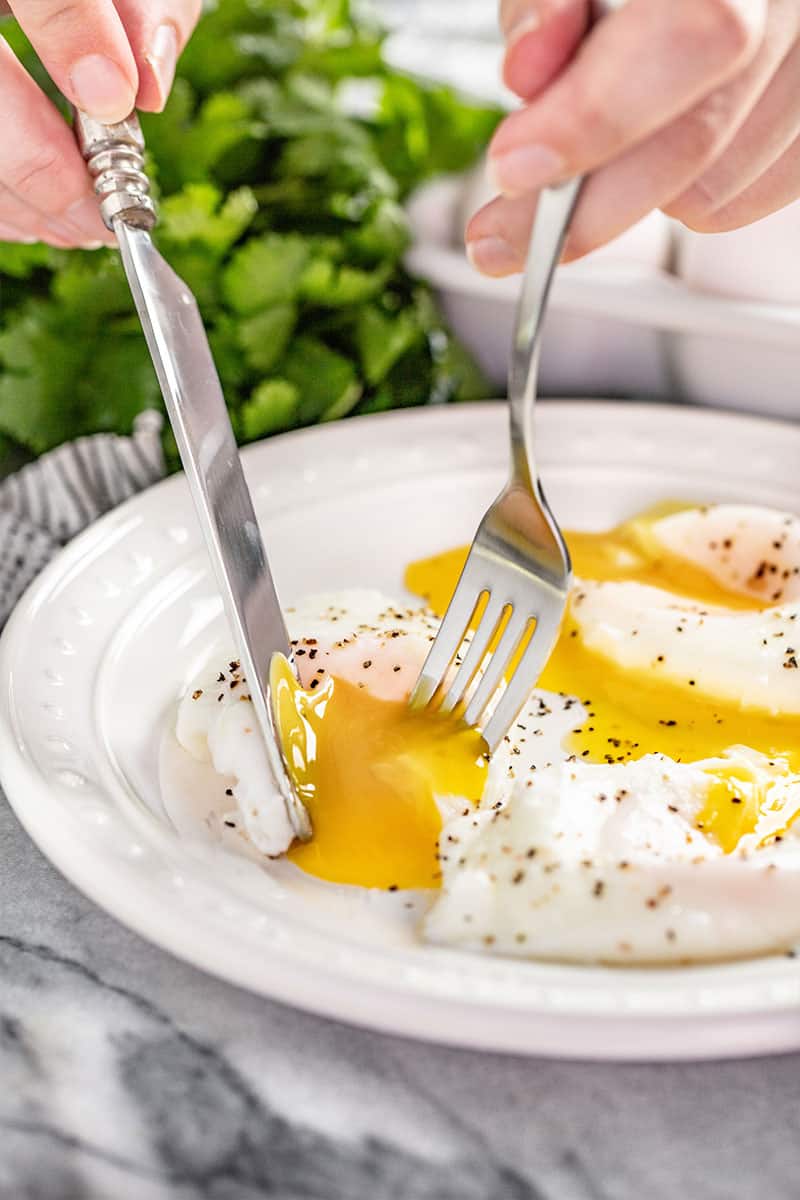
517,576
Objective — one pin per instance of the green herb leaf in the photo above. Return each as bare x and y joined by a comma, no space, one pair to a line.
20,260
272,407
117,383
198,214
38,405
92,286
333,286
264,337
265,271
383,339
326,381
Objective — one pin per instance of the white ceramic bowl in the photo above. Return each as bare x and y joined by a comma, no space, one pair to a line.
656,313
757,263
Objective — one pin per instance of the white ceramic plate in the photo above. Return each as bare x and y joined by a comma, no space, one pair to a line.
98,650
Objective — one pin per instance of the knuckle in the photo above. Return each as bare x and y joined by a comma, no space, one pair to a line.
697,209
687,208
732,27
54,18
594,116
40,164
703,130
700,201
44,178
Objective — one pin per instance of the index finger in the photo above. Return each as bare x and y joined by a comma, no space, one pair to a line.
636,71
157,31
86,52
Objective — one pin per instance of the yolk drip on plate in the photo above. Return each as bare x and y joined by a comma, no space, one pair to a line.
630,714
369,772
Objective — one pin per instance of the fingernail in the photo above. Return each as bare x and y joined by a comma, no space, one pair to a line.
101,89
83,217
525,169
162,59
91,245
520,28
493,256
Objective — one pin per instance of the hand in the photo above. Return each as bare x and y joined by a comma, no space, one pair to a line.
106,57
691,106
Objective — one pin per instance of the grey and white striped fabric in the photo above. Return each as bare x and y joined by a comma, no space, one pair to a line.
46,503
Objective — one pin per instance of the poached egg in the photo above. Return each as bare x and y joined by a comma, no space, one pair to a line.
642,808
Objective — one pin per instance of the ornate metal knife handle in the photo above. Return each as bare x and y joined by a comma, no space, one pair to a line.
114,155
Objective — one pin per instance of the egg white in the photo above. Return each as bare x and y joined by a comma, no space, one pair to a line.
595,862
750,550
731,655
747,656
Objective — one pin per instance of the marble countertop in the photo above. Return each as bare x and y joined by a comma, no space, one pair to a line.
126,1074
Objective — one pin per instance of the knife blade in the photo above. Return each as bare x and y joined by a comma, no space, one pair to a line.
196,408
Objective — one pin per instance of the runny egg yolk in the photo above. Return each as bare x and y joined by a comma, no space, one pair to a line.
742,800
633,713
369,772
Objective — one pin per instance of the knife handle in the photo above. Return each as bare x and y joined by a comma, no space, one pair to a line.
114,155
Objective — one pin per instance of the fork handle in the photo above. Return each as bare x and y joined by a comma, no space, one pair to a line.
554,211
553,214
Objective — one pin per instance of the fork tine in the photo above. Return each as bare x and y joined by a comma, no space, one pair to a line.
474,656
447,641
525,675
501,656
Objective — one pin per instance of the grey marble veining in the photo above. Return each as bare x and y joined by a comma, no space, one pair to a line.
126,1074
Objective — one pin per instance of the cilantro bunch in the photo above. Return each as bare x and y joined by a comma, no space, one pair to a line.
283,212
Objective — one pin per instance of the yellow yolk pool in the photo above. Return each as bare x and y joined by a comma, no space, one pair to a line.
633,713
369,772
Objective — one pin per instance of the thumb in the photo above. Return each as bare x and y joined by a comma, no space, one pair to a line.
85,50
541,37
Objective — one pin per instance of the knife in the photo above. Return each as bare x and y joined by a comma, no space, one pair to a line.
200,422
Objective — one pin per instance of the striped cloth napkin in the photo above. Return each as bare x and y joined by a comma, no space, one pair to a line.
48,501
